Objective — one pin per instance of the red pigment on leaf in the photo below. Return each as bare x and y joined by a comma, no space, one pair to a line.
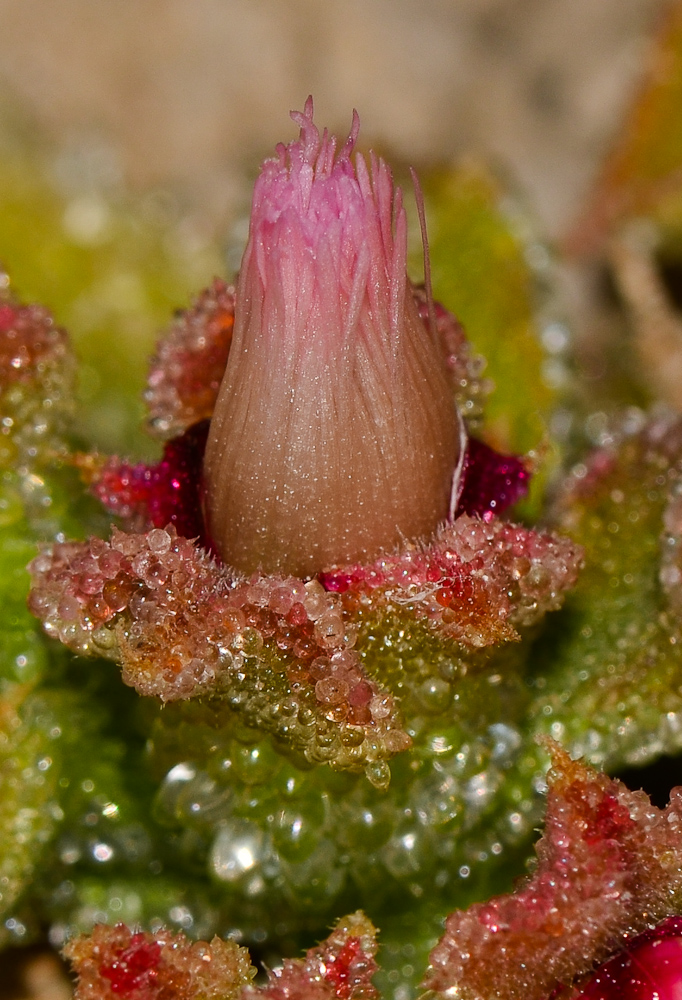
114,963
339,971
609,865
612,820
135,967
340,967
30,343
476,581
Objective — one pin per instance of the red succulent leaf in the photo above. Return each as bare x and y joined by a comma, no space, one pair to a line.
189,365
115,963
609,864
341,968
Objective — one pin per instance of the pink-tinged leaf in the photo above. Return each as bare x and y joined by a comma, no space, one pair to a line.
187,370
341,968
280,649
609,865
115,963
475,582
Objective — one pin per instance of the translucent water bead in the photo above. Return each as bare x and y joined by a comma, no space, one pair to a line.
278,650
239,855
264,828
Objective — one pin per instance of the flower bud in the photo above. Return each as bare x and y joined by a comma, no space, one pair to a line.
335,435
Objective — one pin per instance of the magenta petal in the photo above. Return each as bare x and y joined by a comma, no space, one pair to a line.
649,969
158,495
176,497
492,482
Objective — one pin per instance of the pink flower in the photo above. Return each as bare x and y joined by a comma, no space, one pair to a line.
649,968
335,436
336,444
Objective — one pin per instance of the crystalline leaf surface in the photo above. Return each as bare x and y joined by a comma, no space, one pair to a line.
114,962
474,582
36,379
186,373
279,649
608,678
609,866
340,967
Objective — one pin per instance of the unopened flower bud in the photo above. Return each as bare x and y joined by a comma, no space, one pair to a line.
335,436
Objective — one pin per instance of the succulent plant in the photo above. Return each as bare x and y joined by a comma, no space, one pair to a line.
312,656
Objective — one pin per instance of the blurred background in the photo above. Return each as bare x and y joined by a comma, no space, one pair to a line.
186,94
